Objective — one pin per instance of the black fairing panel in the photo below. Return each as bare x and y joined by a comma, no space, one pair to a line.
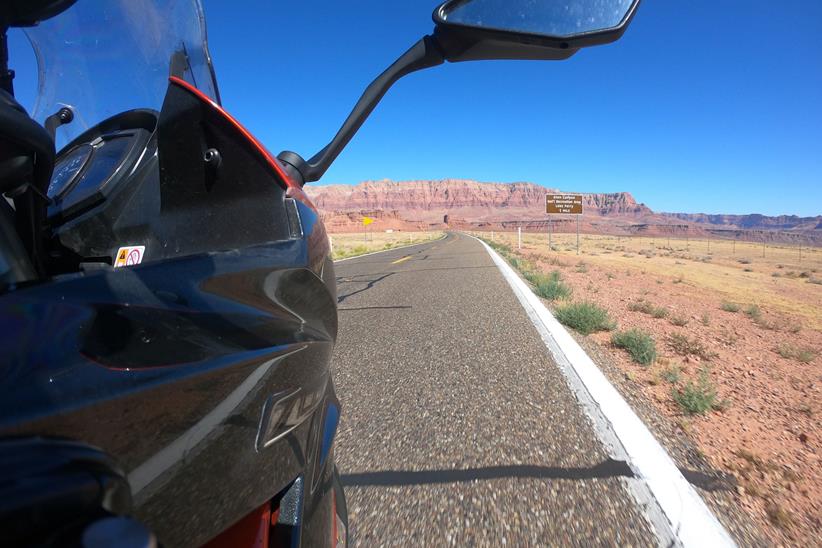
169,366
166,368
203,207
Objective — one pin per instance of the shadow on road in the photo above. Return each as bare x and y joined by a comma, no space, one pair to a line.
607,469
713,481
375,307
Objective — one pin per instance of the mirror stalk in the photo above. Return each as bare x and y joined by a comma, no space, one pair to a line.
422,55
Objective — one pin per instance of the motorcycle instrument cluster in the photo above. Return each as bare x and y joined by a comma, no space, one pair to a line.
90,170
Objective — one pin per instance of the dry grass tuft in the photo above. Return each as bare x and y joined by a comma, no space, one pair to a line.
685,346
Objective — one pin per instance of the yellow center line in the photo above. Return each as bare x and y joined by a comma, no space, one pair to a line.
398,261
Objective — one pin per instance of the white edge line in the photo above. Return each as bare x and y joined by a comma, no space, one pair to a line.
392,249
690,521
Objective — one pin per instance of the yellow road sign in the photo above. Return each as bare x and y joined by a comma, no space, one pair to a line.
367,221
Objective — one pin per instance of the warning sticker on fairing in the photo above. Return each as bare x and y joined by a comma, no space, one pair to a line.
127,256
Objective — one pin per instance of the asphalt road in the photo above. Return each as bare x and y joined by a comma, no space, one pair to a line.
457,427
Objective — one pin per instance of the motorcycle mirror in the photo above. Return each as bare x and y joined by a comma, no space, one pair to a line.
471,30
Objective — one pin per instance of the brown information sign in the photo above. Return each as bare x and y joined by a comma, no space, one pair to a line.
565,204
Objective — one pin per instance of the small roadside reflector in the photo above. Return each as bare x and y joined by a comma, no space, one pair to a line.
128,256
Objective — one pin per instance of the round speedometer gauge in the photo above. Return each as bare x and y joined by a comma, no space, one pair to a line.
67,168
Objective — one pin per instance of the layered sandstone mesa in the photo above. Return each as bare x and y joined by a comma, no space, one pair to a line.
420,205
457,194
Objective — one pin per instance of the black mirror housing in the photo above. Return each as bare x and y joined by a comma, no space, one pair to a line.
462,41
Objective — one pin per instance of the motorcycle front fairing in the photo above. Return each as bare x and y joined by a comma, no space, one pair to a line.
202,367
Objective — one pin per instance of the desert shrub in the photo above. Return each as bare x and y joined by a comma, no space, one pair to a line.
744,261
778,515
671,373
531,276
747,270
696,398
638,344
706,319
793,352
817,281
550,287
765,323
523,265
753,312
730,307
501,248
685,346
659,312
640,306
582,268
646,307
584,317
679,321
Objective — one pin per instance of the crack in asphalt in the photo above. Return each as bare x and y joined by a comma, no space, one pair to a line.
369,284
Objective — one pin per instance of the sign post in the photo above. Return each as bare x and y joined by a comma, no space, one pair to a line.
365,222
564,204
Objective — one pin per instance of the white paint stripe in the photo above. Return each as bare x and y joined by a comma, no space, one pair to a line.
691,522
392,249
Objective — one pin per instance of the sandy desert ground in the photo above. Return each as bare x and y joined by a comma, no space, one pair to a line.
738,330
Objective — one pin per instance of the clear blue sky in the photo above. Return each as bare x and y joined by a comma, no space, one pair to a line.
703,106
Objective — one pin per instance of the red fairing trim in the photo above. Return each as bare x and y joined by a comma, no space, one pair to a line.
252,531
275,165
299,194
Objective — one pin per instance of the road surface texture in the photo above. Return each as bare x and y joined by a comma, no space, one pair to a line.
457,427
